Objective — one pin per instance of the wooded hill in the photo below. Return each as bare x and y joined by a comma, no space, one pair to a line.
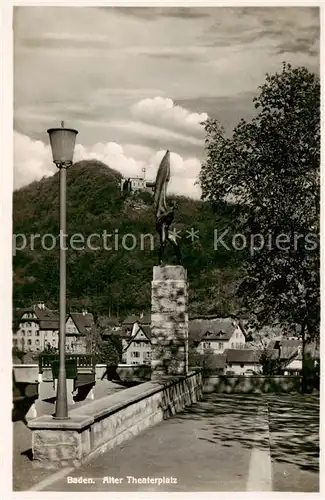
117,281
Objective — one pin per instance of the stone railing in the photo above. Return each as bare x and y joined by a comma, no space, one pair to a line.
98,426
233,384
81,360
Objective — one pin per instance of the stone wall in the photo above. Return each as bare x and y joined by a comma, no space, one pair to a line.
26,373
98,426
251,384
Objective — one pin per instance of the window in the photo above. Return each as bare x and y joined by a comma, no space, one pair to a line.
29,342
237,345
148,354
220,345
232,345
29,332
135,354
236,335
242,365
23,333
37,342
27,324
206,345
37,334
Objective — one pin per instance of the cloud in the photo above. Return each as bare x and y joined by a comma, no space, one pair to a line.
150,131
202,59
164,111
33,160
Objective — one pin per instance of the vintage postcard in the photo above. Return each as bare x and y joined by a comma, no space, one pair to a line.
165,249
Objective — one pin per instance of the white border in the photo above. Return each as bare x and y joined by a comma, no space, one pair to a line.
6,186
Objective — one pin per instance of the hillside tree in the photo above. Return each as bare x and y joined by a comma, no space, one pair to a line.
271,167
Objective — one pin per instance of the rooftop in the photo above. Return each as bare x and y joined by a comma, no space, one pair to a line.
212,329
242,355
83,321
48,319
137,318
130,320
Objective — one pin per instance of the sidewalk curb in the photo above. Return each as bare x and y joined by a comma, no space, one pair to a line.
260,465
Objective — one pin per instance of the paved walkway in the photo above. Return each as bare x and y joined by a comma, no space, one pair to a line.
202,449
294,440
223,443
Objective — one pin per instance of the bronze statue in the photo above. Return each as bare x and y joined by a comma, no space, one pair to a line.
164,215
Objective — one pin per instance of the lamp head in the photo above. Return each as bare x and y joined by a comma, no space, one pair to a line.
62,142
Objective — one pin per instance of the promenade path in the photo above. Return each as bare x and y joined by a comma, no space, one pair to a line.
222,443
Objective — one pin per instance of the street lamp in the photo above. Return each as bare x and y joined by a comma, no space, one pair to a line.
62,142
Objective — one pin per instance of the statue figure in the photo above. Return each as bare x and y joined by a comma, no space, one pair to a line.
164,215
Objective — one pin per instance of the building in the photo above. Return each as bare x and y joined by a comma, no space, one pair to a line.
217,334
136,334
242,362
218,363
214,334
143,318
78,328
291,356
134,184
293,366
131,324
37,328
138,348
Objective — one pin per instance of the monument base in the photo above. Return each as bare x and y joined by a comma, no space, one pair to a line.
169,321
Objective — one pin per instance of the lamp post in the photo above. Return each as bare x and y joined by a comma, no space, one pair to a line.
62,142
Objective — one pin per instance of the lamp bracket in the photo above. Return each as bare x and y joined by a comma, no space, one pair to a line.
63,164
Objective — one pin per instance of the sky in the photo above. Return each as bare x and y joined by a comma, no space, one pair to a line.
137,81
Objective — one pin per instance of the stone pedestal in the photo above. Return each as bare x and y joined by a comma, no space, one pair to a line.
169,321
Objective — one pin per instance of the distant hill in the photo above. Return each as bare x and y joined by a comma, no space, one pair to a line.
117,281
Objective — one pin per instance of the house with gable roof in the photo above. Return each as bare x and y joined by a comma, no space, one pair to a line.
78,326
137,351
36,328
242,361
290,355
217,334
130,323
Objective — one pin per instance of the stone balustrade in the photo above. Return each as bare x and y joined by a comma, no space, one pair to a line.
98,426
